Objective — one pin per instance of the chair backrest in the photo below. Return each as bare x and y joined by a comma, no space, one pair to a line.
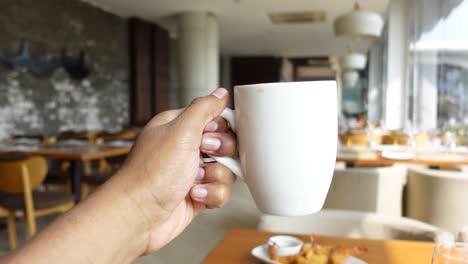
16,175
89,136
352,224
378,190
121,135
438,197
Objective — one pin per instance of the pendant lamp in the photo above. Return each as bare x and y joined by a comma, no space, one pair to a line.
359,24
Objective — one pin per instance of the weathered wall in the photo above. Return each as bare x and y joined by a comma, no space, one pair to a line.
30,105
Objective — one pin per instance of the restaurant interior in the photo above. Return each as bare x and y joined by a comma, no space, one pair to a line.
79,79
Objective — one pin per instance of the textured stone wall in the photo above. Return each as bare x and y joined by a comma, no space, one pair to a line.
99,102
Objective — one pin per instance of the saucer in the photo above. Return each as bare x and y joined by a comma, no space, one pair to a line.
261,253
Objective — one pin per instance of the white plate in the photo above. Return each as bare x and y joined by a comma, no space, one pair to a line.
73,142
120,143
397,155
390,148
261,253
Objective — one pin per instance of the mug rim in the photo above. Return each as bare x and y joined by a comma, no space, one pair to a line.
274,85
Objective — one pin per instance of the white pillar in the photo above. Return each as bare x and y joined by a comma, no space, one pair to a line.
374,94
213,57
396,103
198,55
425,91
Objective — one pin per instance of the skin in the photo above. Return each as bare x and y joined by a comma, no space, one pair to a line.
159,190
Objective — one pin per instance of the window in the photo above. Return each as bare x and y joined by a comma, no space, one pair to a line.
438,65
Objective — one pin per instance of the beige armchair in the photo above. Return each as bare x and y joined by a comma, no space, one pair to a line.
438,197
377,190
353,224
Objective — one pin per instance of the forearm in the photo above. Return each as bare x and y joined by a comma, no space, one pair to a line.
106,228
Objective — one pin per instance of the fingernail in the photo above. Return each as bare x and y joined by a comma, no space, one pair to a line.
199,192
220,93
201,174
211,126
210,143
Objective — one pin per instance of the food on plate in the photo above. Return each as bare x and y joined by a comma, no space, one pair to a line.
317,254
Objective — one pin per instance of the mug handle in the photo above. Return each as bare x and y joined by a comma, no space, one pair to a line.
233,164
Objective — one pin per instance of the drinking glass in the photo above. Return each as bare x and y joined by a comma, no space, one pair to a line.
450,253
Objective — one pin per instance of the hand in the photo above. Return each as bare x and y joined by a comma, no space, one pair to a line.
170,184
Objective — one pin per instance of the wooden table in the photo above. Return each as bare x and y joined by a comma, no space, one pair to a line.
75,154
237,244
368,157
380,161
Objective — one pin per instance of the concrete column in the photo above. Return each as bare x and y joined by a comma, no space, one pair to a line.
374,94
198,53
425,90
396,104
212,53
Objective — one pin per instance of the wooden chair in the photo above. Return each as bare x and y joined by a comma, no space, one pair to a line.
106,167
121,135
358,139
18,180
420,139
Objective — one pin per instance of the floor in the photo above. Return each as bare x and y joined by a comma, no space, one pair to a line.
197,240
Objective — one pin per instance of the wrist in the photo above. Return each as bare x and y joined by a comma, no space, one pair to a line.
134,224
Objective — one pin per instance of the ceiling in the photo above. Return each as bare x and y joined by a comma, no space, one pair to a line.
245,28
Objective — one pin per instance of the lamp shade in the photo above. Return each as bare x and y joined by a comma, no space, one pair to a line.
359,24
353,60
349,78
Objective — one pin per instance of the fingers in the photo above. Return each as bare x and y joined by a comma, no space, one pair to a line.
217,125
215,173
218,144
202,110
212,195
214,188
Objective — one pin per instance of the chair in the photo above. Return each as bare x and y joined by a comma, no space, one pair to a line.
359,139
93,174
438,197
128,134
377,190
353,224
394,138
18,180
106,167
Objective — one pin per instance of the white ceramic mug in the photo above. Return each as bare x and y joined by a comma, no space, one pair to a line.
287,136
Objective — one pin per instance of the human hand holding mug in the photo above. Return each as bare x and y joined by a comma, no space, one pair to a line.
287,139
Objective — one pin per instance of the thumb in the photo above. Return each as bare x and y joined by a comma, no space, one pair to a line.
204,109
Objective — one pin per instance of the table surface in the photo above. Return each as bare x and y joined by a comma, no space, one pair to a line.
363,156
237,244
69,152
380,161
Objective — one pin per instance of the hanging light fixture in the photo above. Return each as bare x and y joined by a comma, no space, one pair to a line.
353,61
349,78
359,24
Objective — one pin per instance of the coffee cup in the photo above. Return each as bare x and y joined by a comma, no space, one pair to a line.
287,140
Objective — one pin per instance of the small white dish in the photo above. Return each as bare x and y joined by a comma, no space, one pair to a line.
286,245
261,253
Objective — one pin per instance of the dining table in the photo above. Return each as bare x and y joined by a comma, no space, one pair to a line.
237,245
364,156
75,154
